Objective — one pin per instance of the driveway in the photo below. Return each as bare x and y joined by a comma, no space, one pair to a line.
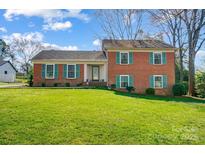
12,85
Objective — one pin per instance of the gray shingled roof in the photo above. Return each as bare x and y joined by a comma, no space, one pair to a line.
2,61
70,55
134,44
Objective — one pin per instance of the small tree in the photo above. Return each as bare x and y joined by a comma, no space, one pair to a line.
200,84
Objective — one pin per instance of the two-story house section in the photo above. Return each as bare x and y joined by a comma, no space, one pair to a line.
140,63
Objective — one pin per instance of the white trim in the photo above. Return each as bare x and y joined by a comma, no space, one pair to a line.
46,77
74,73
128,57
156,52
162,81
127,81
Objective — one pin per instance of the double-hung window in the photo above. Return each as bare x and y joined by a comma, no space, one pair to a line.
124,80
71,71
50,71
158,81
157,57
124,58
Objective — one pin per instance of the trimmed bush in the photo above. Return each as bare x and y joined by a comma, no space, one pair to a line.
30,80
130,89
113,86
55,84
150,91
178,89
67,84
43,84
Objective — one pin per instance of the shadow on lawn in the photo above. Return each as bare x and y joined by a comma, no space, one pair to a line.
162,98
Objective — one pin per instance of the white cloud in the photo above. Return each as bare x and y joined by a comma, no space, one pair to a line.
97,42
49,46
3,29
46,14
57,26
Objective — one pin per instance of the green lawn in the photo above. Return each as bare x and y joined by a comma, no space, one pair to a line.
89,116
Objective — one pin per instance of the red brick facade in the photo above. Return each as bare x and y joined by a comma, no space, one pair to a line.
38,80
141,69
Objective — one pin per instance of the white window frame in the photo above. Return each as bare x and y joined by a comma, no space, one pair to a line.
128,58
127,81
53,72
162,81
74,70
161,57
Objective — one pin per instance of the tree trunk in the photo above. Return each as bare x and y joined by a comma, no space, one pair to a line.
181,67
191,73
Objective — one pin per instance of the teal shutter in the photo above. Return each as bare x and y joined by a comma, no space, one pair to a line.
56,71
151,58
77,71
130,57
117,81
43,71
131,81
164,58
117,57
164,81
151,81
64,70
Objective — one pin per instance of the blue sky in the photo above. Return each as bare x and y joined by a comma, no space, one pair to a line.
67,29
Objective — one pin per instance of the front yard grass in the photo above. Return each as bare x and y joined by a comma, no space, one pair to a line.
91,116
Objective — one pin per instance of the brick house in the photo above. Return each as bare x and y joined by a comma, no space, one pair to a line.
140,63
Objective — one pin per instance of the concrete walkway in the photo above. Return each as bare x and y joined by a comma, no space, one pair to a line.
13,85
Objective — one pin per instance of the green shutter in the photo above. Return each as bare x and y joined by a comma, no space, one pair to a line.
64,70
130,57
164,58
56,71
151,81
117,81
151,58
43,71
117,57
77,71
164,81
131,81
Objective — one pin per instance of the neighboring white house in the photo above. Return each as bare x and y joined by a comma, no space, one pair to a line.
7,71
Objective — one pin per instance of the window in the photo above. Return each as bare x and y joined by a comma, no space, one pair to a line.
157,57
124,57
158,81
124,81
49,71
5,72
71,71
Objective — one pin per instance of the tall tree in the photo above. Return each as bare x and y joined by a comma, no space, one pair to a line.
170,23
195,25
120,23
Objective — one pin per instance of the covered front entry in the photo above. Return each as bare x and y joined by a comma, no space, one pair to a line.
95,73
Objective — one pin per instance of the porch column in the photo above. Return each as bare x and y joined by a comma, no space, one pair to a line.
85,72
105,72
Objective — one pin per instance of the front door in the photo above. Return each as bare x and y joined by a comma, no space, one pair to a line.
95,73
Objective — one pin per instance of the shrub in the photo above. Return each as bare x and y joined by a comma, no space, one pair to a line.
130,89
55,84
150,91
30,80
79,84
67,84
200,84
185,83
113,86
43,84
178,89
101,87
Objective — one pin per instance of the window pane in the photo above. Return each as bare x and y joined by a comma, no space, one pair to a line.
71,71
49,72
158,82
124,81
157,58
124,58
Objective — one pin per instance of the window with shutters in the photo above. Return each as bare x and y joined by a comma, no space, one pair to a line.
50,71
124,81
71,71
124,58
157,57
158,81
